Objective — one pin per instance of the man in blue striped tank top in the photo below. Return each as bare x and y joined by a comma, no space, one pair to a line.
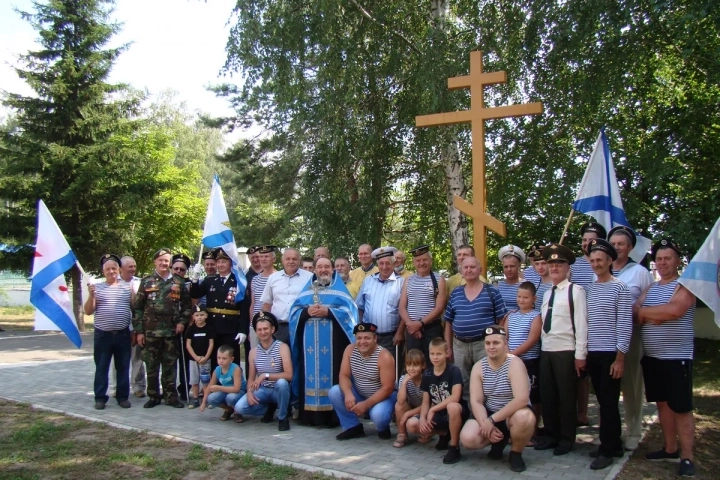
499,399
665,312
269,375
367,384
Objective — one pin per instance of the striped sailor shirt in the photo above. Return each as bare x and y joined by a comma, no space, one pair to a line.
671,340
581,272
609,307
420,295
508,291
112,306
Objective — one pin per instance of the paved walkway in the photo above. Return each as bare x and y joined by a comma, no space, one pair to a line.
67,386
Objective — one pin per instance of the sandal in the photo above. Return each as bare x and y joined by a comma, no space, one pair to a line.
400,440
238,418
424,438
226,415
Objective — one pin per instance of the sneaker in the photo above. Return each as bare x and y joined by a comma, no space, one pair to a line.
631,442
353,432
284,424
596,454
384,434
99,405
194,403
600,462
496,449
452,455
686,469
152,402
561,450
269,414
517,464
443,442
662,455
545,444
176,404
124,404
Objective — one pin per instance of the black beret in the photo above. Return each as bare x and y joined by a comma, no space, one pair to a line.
209,255
365,327
265,248
535,251
199,308
421,250
252,250
161,252
558,253
603,246
664,243
627,231
107,257
263,316
594,227
181,257
221,255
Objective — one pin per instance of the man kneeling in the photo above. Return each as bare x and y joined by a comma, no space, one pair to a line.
499,398
366,385
443,409
270,372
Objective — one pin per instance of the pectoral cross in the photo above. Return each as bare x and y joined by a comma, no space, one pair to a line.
476,116
317,288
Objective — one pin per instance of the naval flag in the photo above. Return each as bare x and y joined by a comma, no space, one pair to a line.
702,275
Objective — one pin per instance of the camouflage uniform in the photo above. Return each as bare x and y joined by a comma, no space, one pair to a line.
159,306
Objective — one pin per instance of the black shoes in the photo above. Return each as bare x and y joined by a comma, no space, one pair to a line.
269,414
99,405
616,454
443,442
176,403
284,424
686,469
384,434
517,464
124,404
496,449
600,462
153,402
354,432
545,444
452,455
560,450
663,456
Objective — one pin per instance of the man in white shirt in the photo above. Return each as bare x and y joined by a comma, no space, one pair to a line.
564,350
282,289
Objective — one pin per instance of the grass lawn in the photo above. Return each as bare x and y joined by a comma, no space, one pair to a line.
706,398
41,445
23,318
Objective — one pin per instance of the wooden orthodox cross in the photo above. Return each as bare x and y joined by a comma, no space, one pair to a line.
476,116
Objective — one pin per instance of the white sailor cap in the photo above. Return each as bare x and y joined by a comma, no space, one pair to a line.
512,250
383,252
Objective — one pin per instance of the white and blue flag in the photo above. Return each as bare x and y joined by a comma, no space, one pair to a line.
217,234
48,289
702,275
599,195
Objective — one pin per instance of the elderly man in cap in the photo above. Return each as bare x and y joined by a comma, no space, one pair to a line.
609,307
500,401
111,302
179,265
665,312
581,273
367,384
257,286
511,257
399,267
223,311
637,278
470,310
255,267
162,311
422,303
367,267
457,280
564,351
378,300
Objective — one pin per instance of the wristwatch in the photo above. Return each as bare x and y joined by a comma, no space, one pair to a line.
267,376
492,420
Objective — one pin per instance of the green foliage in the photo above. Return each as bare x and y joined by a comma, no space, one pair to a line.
338,87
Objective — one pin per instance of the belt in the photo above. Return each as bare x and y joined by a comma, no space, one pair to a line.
470,339
386,334
224,311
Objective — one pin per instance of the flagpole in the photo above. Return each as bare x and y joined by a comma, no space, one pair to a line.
567,225
200,254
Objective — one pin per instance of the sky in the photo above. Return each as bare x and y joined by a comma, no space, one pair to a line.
175,44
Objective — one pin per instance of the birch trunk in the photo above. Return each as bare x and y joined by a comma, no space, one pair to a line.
77,289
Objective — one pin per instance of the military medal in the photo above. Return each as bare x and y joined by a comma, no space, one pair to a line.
231,295
175,291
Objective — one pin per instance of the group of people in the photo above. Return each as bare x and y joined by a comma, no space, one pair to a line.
475,363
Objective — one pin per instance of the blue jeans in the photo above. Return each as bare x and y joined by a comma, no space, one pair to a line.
266,396
112,345
217,399
379,414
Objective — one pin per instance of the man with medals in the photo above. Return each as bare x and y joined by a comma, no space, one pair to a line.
321,327
223,312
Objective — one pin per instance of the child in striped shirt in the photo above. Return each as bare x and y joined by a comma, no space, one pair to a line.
409,397
524,327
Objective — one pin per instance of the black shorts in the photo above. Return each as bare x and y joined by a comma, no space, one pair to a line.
502,426
442,420
669,381
533,369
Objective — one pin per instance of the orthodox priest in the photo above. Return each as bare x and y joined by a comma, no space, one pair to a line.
321,327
